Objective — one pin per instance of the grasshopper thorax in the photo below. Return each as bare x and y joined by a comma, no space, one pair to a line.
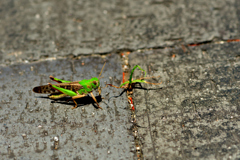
95,82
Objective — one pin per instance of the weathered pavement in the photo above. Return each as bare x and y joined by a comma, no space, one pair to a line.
193,114
30,122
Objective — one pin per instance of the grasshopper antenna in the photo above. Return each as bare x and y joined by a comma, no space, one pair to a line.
101,71
99,88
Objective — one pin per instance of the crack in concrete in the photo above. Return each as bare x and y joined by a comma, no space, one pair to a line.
134,128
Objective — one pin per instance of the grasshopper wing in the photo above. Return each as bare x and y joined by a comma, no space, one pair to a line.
46,89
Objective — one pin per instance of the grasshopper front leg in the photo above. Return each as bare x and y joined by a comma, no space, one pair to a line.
99,90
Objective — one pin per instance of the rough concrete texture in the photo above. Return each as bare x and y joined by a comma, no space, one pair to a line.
194,113
29,121
31,30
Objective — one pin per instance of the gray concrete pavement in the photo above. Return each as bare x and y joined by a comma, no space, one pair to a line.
193,114
31,30
31,121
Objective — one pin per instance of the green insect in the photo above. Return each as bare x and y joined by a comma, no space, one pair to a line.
128,85
75,90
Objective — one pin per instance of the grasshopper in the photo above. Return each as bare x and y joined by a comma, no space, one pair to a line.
75,90
128,85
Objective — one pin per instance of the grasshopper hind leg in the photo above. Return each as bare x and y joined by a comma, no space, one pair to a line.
58,80
57,96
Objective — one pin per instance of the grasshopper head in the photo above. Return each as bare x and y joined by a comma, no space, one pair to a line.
95,82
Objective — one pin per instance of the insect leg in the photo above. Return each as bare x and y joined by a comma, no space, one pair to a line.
57,96
99,90
58,80
130,78
143,81
63,90
153,83
95,100
76,97
149,77
112,86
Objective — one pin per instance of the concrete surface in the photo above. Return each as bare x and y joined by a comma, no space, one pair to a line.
30,121
31,30
193,114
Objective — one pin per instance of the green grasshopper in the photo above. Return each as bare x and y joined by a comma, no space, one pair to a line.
128,85
75,90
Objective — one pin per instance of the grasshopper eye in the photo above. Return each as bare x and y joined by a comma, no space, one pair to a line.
95,82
